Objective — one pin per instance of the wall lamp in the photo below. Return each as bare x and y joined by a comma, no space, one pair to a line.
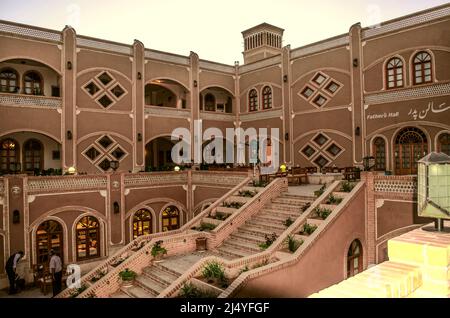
355,62
16,217
69,135
139,76
69,65
139,137
195,83
116,207
286,136
357,131
285,78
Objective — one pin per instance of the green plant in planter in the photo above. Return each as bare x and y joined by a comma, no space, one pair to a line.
189,290
247,193
306,206
308,229
97,277
263,263
158,250
127,275
214,271
259,184
322,213
288,222
117,262
243,270
235,205
75,292
293,244
319,192
347,186
333,200
206,227
269,240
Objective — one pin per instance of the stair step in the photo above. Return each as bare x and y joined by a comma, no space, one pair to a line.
263,217
258,231
282,207
290,201
119,294
301,197
248,237
280,213
164,277
242,245
149,284
265,225
137,292
230,250
166,269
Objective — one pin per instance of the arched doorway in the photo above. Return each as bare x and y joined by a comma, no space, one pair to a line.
49,235
158,154
410,146
88,238
33,155
142,223
444,143
9,156
170,218
354,258
379,153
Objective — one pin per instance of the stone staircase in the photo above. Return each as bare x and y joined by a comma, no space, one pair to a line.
245,241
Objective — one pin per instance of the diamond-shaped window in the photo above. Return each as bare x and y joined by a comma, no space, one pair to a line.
308,151
105,164
92,153
321,161
320,139
334,149
118,153
332,87
91,88
117,91
319,79
104,78
307,92
105,101
320,100
105,142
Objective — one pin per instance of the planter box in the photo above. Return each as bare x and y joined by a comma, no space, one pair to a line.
321,178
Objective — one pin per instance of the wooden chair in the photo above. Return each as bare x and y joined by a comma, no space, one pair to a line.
298,174
311,169
38,271
45,281
351,173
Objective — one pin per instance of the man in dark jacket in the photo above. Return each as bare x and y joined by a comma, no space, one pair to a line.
11,266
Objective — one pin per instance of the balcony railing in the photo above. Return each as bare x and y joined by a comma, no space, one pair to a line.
167,112
66,183
29,100
155,178
395,184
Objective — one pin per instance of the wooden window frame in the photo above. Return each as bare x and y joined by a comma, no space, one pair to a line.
397,71
87,230
135,220
375,147
8,81
8,157
41,83
253,100
24,155
170,217
350,258
422,68
267,97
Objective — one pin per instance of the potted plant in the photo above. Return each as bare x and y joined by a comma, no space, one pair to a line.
158,251
127,277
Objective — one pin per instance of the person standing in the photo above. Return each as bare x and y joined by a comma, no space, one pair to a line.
11,266
56,271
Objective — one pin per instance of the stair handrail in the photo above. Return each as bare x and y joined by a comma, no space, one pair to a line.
294,257
147,239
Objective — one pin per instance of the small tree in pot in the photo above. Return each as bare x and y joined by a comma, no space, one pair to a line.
158,251
127,277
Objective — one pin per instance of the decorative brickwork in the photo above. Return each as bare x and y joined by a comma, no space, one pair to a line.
166,57
31,32
321,46
225,178
104,45
152,178
30,100
69,183
167,112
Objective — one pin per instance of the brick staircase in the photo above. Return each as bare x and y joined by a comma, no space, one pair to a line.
244,241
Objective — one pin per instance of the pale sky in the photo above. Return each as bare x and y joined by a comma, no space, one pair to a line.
210,28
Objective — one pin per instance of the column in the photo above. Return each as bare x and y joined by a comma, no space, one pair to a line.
138,106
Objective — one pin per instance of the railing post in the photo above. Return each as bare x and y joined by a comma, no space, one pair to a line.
368,178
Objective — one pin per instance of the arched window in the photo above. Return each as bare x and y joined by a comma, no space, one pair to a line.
354,258
33,155
253,100
394,73
49,236
142,223
170,219
9,81
267,97
32,83
379,152
410,146
444,143
9,156
422,68
88,238
210,102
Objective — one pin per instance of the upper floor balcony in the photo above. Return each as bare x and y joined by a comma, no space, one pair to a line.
25,82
